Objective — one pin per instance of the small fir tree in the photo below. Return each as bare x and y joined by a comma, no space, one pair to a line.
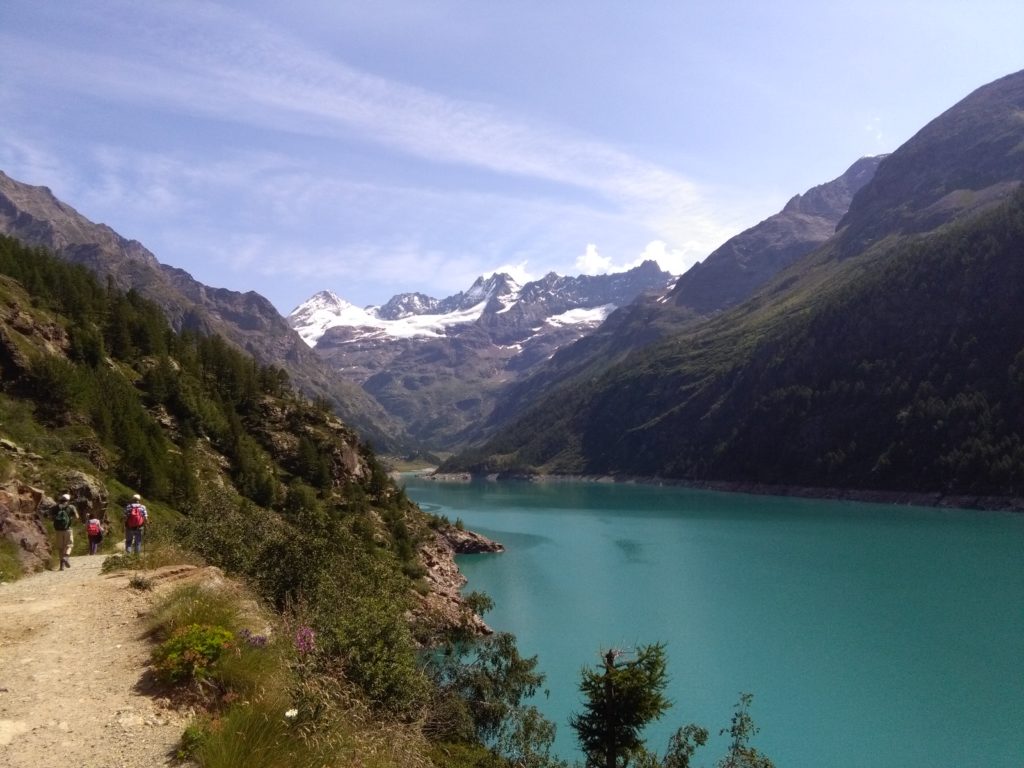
621,699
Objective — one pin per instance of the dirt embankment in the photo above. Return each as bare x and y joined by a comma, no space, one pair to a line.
73,658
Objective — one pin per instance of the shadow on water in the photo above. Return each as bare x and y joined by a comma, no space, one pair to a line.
632,549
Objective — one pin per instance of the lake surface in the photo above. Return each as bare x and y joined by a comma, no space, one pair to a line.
870,635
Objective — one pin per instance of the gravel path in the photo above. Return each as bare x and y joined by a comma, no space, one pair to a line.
72,659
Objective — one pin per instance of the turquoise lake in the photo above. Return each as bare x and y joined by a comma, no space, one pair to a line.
869,635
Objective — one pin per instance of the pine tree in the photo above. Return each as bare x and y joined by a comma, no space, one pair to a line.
621,699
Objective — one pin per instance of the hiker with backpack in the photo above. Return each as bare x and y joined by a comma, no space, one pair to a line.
135,517
64,515
94,530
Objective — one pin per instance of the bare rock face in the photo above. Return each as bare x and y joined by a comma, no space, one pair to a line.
88,494
25,513
443,604
469,542
21,523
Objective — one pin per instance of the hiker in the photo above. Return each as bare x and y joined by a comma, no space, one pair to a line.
64,515
134,521
94,530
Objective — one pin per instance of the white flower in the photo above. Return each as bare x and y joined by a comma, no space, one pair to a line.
291,713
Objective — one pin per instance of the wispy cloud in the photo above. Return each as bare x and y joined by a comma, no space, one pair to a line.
205,59
300,180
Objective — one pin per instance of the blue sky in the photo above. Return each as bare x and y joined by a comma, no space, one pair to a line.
401,145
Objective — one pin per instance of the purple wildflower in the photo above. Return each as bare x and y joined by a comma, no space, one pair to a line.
305,640
256,641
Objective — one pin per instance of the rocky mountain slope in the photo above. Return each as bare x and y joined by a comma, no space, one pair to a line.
963,161
439,365
731,273
34,216
886,358
746,262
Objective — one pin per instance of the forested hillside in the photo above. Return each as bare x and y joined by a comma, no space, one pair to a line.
909,377
243,472
886,359
34,216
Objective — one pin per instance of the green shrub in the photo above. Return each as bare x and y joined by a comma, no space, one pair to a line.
191,652
193,604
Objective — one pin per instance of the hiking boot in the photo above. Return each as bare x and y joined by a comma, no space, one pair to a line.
65,563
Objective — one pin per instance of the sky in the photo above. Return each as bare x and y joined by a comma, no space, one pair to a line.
412,145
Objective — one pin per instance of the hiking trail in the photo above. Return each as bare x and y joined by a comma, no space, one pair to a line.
72,663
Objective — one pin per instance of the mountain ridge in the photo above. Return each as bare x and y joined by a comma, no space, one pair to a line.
819,379
38,218
438,365
732,272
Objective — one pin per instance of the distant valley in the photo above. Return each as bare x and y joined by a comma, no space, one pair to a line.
455,370
439,366
867,336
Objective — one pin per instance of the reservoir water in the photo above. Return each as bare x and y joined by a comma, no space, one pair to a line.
870,635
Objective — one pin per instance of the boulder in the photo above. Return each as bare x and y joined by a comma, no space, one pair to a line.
22,523
88,494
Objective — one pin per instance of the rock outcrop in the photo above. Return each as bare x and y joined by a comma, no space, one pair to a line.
22,523
443,604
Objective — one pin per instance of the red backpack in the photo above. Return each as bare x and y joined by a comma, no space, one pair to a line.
92,528
135,518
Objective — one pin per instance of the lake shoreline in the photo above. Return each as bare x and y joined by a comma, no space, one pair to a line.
905,498
857,619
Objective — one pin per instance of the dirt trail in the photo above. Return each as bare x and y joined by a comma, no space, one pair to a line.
72,659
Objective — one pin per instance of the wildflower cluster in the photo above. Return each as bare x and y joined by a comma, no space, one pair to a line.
251,638
305,640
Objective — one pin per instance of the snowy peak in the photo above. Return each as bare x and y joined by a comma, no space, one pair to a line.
322,301
510,313
322,311
439,365
407,304
499,286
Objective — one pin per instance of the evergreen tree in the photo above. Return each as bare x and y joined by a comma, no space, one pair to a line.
621,699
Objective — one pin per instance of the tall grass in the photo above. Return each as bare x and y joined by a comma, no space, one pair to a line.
194,604
155,554
267,732
10,566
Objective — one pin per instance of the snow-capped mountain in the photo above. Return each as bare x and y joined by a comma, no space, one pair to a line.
560,301
405,316
437,364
